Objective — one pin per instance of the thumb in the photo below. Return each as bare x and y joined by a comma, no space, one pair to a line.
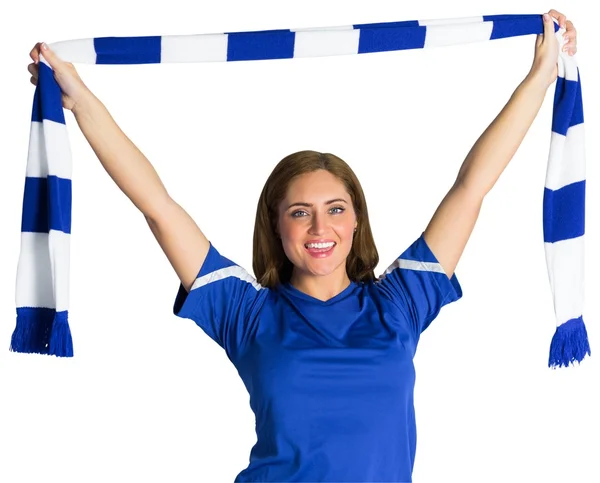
50,56
548,25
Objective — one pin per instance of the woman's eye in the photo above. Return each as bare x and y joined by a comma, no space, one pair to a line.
301,213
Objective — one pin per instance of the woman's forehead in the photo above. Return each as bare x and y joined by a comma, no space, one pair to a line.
320,185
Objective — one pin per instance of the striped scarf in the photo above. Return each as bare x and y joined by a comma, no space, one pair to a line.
42,291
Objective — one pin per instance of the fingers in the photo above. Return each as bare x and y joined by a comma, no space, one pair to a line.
35,53
570,34
48,54
570,37
561,18
33,69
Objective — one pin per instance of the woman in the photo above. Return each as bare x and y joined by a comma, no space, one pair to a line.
324,349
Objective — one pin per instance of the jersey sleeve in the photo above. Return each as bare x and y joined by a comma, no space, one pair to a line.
417,283
222,301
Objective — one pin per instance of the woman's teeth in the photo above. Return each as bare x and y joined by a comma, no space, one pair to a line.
319,245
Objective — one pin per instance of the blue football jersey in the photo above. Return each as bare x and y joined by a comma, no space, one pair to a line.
331,383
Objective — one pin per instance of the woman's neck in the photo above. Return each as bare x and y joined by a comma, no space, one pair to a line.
322,287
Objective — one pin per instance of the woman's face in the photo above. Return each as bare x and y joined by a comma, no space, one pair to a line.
316,224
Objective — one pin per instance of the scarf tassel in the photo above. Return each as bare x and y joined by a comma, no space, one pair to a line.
569,344
42,331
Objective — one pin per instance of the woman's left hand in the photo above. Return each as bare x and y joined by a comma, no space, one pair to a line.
546,47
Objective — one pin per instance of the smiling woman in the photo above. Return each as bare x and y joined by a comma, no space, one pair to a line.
313,197
324,348
315,293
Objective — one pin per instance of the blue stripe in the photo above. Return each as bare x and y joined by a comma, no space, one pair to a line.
387,39
262,45
60,196
35,207
568,105
564,212
128,50
47,205
577,117
47,98
515,25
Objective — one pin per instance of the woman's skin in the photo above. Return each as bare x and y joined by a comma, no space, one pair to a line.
317,208
320,276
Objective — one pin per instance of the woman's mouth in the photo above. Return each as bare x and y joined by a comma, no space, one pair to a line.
320,250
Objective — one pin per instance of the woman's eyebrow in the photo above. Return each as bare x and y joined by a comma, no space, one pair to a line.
308,205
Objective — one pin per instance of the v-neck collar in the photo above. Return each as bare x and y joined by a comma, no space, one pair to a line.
289,288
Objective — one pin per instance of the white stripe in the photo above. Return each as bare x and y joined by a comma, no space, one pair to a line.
78,50
34,275
194,48
60,263
58,149
337,42
43,270
233,271
444,35
412,265
565,265
37,162
566,162
49,150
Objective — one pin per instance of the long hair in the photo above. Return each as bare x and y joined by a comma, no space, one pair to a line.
269,262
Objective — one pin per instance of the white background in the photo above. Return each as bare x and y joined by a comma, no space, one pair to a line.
150,397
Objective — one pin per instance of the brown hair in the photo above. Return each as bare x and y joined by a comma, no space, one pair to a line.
269,262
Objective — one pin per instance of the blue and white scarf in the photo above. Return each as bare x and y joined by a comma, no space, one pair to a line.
42,292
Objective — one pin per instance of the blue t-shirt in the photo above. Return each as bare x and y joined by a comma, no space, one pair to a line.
331,383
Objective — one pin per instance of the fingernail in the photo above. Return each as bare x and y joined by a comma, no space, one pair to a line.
44,46
546,17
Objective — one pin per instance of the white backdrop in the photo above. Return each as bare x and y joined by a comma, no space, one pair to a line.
150,397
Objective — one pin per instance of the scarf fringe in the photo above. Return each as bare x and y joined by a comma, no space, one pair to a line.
61,342
569,344
42,331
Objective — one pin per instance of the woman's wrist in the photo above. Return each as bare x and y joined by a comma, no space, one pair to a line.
535,80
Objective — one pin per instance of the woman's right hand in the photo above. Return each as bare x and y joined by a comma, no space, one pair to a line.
71,85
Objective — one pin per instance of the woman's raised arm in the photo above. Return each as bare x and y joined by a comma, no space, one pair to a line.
180,238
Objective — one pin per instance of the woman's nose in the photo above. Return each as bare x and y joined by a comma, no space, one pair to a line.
318,224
